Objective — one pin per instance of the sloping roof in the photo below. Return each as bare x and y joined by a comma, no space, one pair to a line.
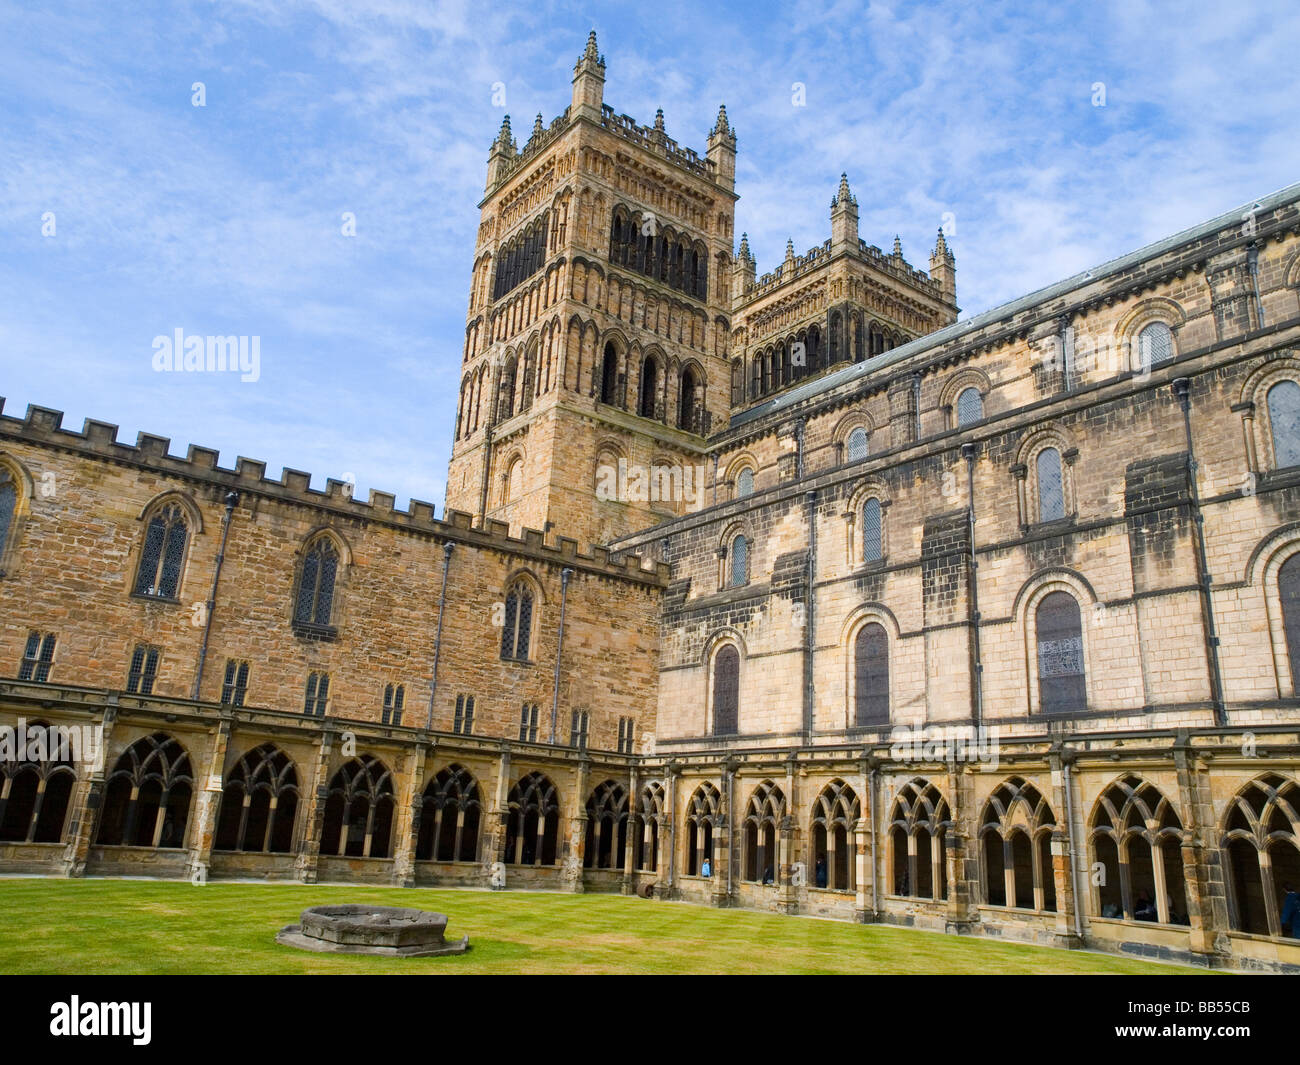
853,371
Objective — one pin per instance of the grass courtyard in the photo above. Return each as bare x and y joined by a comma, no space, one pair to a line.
163,927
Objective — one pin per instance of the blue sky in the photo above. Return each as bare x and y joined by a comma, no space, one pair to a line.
227,219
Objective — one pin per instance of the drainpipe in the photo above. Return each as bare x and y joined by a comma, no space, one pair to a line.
1182,388
231,499
565,574
973,601
809,676
447,549
1074,853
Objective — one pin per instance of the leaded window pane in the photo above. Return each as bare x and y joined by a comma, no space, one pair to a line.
307,588
151,555
1155,345
316,588
871,666
857,445
1284,417
970,407
745,482
8,506
46,659
872,533
739,561
173,556
1051,488
31,654
508,629
525,632
726,691
1060,654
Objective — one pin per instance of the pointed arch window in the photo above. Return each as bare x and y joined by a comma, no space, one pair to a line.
857,445
702,814
359,810
147,797
726,691
609,376
1051,485
834,817
918,824
163,554
607,824
8,511
1016,848
143,671
1284,418
970,407
259,803
1136,839
1261,845
517,632
649,385
763,818
1061,682
315,603
532,822
1288,587
451,812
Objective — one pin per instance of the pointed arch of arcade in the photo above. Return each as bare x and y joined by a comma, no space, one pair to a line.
1135,837
646,820
34,795
919,821
835,815
359,810
259,803
763,816
607,821
533,821
147,796
451,814
1261,849
699,823
1015,835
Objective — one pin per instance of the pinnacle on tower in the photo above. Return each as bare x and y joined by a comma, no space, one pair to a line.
898,247
659,120
941,247
504,137
722,150
592,52
843,195
789,248
589,82
943,268
537,126
744,252
844,218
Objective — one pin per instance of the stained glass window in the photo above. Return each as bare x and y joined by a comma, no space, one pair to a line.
163,554
1051,487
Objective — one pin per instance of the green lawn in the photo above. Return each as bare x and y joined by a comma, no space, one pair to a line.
147,926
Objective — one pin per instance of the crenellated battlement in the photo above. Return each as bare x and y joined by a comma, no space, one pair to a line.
98,440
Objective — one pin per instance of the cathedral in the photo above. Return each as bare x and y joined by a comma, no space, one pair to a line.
792,591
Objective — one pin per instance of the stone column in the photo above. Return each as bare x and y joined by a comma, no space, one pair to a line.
962,862
410,807
861,837
576,845
1063,871
719,891
787,898
627,883
314,822
207,797
495,858
88,797
1207,898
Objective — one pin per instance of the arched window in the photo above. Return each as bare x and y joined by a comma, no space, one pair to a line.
8,511
163,554
35,792
871,676
320,566
1284,417
873,538
688,415
1051,485
835,815
1155,345
359,810
970,407
533,822
745,483
857,445
1261,847
450,813
259,803
649,385
606,827
513,484
1136,839
702,815
650,811
147,797
609,376
1288,588
1061,683
1016,848
918,823
506,408
837,333
763,816
738,562
517,632
726,691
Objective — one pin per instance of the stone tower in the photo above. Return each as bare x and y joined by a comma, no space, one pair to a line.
595,357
